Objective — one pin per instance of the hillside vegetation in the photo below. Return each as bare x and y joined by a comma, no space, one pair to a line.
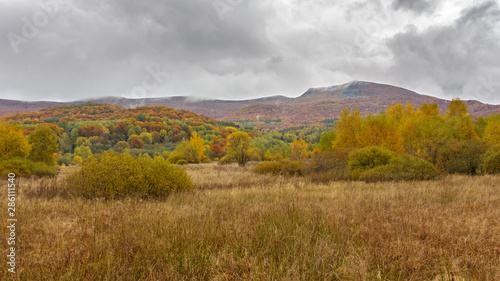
421,140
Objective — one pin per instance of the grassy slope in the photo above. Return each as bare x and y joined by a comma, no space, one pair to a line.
239,226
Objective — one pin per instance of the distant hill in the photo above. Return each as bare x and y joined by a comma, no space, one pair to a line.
101,111
9,107
316,104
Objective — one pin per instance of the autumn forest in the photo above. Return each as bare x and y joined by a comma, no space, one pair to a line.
321,201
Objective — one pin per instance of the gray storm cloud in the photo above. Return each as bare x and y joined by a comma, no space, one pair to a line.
455,57
74,49
417,6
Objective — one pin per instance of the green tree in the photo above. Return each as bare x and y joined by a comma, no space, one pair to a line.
326,141
83,151
75,133
43,145
163,135
121,145
12,141
239,148
136,130
147,138
65,144
141,117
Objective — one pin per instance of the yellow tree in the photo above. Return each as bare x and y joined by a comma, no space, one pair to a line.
411,136
12,141
347,129
197,142
77,160
299,150
429,110
424,133
397,116
396,112
43,145
492,131
373,131
459,124
456,108
409,111
239,148
267,155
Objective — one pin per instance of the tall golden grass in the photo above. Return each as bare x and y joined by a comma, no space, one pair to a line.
240,226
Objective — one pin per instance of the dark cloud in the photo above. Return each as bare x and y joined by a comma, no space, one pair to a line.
235,49
486,14
417,6
451,57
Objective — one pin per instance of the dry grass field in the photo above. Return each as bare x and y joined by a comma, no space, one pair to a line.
239,226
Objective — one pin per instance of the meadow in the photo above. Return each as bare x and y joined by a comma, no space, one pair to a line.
236,225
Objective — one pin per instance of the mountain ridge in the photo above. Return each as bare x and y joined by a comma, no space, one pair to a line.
316,104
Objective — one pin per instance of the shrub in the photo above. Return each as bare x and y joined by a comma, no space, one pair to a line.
24,167
461,157
491,161
268,167
77,160
293,168
42,170
121,145
65,160
368,158
283,167
115,175
328,165
182,162
400,168
16,165
176,158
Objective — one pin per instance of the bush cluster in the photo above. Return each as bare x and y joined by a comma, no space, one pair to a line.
23,167
329,165
373,164
401,168
463,157
370,164
367,158
491,161
283,167
113,175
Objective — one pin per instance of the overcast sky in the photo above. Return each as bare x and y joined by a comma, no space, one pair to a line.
237,49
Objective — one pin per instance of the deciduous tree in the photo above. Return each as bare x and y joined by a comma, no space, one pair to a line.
239,148
43,145
12,141
347,129
299,150
197,142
